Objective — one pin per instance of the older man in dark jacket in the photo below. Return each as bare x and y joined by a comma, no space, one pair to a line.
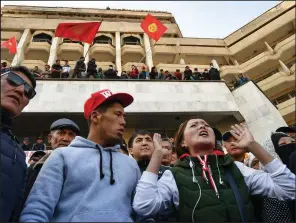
17,88
62,133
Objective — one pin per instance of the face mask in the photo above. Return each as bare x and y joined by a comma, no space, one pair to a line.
285,152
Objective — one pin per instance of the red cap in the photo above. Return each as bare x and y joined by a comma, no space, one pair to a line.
99,97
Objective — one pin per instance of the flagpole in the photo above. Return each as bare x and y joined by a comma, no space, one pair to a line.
146,54
90,44
87,51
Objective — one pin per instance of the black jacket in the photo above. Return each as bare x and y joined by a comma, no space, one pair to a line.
13,171
153,75
214,74
33,172
205,76
187,74
26,147
91,66
110,74
197,76
79,66
38,146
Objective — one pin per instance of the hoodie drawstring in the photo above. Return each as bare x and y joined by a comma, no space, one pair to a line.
207,169
102,175
112,181
101,162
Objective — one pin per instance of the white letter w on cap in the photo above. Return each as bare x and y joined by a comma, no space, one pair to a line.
106,94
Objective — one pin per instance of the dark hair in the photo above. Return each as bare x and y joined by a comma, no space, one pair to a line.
66,61
211,64
100,69
195,68
58,60
82,58
26,72
166,139
4,63
178,70
161,70
123,147
135,134
102,108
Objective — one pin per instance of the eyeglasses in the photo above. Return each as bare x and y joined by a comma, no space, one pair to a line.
16,81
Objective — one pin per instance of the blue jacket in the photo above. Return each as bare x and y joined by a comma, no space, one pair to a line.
83,182
13,171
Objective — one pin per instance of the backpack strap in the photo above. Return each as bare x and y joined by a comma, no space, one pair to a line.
173,170
237,195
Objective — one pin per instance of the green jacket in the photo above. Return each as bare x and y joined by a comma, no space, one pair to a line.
210,208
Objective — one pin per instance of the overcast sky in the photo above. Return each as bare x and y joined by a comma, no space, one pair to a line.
199,19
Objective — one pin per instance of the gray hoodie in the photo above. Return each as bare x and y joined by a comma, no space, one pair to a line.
83,182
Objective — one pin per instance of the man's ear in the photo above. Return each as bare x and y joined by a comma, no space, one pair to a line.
130,151
49,137
95,117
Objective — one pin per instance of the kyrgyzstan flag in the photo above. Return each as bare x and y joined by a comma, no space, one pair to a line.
84,32
153,27
10,45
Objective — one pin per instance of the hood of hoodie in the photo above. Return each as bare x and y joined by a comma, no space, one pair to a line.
80,142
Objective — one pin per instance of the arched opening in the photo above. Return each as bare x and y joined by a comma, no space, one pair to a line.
131,40
66,40
42,37
103,40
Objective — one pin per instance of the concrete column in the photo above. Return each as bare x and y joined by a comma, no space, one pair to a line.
20,55
269,48
283,68
118,52
53,51
148,50
178,53
215,64
85,50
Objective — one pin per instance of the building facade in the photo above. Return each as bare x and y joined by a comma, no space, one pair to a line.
263,50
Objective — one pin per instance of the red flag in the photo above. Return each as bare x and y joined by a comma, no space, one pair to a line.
153,27
10,45
84,32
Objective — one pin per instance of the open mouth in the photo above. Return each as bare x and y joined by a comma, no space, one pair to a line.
203,133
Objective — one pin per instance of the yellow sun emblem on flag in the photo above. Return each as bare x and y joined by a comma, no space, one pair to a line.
152,28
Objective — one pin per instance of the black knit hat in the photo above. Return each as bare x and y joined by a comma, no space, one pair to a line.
26,72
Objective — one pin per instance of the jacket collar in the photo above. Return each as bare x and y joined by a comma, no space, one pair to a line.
6,119
143,164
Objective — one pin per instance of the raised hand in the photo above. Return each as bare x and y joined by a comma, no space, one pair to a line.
243,136
157,145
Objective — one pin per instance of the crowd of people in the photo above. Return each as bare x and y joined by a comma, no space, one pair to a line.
186,178
91,70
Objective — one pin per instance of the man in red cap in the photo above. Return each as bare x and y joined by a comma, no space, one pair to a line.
90,180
